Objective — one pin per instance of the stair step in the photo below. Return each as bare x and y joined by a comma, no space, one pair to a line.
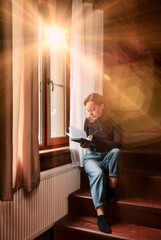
133,210
135,183
140,184
148,173
85,228
142,159
136,215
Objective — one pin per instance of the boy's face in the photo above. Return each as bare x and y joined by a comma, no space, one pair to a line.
94,110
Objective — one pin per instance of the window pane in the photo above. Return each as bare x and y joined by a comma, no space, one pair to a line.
57,94
40,77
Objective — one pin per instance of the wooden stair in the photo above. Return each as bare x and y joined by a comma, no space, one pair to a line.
136,215
85,228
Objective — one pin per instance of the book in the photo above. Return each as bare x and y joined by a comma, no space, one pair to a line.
78,135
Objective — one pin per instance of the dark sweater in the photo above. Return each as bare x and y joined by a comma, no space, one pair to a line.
107,136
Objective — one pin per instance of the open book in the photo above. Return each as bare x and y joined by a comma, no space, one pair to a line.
78,135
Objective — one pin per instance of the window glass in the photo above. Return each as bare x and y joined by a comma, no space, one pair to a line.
57,92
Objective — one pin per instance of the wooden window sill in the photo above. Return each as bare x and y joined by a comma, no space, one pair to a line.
51,158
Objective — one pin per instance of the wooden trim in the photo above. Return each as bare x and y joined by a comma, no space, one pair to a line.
43,96
48,106
68,80
54,158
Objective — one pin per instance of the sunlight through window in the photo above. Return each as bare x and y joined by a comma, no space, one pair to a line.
55,37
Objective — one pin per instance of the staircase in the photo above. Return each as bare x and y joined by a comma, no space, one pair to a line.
137,214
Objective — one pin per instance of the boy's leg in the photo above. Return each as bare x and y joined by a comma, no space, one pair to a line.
113,162
96,177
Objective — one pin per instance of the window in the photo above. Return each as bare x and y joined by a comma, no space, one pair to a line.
53,86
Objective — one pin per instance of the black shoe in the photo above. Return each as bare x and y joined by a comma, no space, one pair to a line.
111,196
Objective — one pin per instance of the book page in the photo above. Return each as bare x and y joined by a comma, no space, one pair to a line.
77,133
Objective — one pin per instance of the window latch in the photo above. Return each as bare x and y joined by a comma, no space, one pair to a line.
49,81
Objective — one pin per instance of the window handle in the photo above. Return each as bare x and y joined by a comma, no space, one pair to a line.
49,81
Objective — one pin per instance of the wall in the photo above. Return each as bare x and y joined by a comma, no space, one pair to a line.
132,69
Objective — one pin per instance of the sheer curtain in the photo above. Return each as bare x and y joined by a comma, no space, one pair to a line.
26,169
86,65
20,148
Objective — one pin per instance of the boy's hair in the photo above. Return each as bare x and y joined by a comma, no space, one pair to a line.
95,97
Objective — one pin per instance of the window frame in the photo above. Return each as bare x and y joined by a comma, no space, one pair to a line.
47,141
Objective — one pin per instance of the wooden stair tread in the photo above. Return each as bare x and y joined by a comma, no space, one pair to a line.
135,202
88,225
155,205
142,151
143,173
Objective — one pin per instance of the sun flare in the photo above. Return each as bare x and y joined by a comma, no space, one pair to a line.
55,37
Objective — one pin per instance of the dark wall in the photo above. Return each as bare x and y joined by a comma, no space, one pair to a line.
132,68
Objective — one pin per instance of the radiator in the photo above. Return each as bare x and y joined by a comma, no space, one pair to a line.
29,215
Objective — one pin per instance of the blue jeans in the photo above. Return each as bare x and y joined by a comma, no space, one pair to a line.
94,164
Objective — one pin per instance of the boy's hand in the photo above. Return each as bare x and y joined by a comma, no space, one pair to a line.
86,145
90,137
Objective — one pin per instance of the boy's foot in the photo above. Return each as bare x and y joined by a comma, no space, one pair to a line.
103,225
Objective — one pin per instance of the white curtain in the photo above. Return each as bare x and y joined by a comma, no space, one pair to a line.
86,65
